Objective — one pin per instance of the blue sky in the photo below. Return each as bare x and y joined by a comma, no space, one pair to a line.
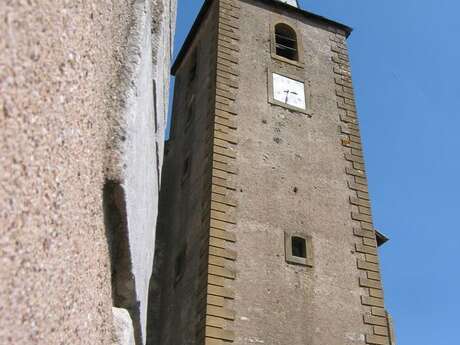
406,69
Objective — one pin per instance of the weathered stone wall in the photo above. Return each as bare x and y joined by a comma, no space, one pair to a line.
277,171
377,320
178,301
77,113
137,158
292,181
296,177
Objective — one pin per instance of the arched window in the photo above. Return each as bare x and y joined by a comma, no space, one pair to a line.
286,42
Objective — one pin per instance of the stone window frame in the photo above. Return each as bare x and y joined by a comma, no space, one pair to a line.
291,259
271,98
300,54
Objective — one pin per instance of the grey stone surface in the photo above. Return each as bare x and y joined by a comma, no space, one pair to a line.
143,115
291,178
285,303
123,331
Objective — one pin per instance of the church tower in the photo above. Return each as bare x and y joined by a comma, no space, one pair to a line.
265,229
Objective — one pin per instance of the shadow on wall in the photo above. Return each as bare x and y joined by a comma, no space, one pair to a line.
123,283
153,311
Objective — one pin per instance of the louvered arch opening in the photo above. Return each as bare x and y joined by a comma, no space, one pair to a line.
286,42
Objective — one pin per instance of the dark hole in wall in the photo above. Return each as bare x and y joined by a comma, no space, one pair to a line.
193,66
179,266
123,282
299,247
186,167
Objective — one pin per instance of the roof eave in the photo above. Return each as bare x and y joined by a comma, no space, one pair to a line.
381,238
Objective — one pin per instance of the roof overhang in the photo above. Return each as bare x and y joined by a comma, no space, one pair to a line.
381,238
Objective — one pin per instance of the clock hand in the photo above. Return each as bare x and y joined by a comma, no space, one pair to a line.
294,93
287,95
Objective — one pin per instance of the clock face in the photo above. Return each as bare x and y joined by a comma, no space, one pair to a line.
289,91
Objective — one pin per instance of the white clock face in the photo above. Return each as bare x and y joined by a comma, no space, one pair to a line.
289,91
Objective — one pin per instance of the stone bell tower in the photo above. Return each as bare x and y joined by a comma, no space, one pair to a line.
265,230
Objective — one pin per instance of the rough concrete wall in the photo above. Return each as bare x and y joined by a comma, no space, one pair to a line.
177,297
58,64
292,179
77,108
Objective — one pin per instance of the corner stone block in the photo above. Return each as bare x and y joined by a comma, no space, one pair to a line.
377,340
123,330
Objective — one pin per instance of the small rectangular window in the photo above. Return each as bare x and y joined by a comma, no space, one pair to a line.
298,249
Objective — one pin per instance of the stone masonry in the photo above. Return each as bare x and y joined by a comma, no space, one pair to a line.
242,173
83,106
